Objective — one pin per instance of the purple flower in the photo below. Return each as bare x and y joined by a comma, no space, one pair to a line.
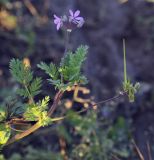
69,22
58,21
74,17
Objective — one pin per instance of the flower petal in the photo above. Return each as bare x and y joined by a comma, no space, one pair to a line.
79,18
80,24
70,18
56,17
76,13
71,13
58,26
56,21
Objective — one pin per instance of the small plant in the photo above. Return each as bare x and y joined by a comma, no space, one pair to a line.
63,77
128,87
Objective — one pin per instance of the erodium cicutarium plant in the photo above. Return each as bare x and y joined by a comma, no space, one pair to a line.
63,77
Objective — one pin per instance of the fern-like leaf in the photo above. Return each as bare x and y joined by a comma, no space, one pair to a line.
35,86
20,72
44,103
22,92
34,111
51,70
69,71
71,64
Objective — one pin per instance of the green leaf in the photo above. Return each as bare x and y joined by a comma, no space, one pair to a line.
131,89
83,125
12,107
35,86
44,119
69,71
51,70
44,103
70,66
32,89
24,75
32,112
20,72
2,114
36,112
22,92
62,131
36,154
5,133
2,157
56,83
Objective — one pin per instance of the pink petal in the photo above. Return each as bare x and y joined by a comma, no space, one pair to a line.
56,21
70,18
55,16
71,12
58,26
76,13
79,18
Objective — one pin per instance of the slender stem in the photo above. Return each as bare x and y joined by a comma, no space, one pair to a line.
30,96
100,102
67,40
115,157
55,103
51,111
125,67
68,31
24,134
149,151
25,123
110,99
37,125
138,150
31,8
17,130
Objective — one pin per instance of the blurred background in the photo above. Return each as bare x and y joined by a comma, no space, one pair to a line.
27,32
